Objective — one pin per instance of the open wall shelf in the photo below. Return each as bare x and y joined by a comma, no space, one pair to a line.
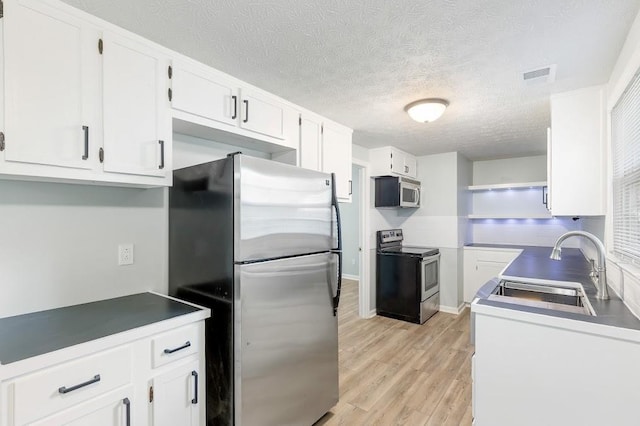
501,217
516,185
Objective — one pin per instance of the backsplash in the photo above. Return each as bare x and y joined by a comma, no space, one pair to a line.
60,244
532,232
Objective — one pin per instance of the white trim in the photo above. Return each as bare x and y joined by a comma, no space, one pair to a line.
351,277
450,310
365,283
372,313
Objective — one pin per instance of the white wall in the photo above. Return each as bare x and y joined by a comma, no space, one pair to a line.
515,202
510,170
60,244
350,215
436,223
60,241
189,150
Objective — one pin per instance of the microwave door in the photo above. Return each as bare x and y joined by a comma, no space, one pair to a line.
409,196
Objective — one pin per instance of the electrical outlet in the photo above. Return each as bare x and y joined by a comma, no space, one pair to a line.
125,254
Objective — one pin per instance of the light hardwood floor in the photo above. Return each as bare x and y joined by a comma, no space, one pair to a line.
397,373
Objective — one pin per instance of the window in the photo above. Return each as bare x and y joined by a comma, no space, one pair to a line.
625,135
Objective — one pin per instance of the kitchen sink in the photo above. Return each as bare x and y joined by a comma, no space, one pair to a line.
567,297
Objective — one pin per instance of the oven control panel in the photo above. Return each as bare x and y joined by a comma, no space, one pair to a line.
389,236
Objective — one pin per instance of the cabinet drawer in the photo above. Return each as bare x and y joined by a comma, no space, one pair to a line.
53,389
174,345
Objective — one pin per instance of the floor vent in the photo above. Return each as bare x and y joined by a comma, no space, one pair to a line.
540,75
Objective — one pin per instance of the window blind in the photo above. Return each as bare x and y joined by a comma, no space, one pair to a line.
625,136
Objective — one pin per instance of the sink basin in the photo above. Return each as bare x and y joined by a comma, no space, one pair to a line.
567,297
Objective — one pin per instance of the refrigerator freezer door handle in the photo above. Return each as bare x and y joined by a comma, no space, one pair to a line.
337,250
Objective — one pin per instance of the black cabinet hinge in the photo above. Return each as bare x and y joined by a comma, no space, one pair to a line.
170,72
150,393
1,9
170,94
100,46
2,141
101,155
322,129
299,121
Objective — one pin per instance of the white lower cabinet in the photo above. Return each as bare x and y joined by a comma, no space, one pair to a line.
177,396
113,386
112,409
531,369
480,265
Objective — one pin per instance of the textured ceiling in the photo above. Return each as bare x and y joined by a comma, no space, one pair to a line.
359,62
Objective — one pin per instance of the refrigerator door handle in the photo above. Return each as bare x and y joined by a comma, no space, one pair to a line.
337,250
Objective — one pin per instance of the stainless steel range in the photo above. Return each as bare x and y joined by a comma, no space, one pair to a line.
407,279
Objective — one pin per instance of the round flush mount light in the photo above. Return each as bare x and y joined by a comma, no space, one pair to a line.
426,110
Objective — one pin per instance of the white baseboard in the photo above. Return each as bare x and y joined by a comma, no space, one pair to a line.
372,313
351,277
450,310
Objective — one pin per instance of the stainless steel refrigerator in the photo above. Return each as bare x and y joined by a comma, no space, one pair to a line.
259,243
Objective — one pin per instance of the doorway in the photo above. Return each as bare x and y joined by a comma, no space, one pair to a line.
355,274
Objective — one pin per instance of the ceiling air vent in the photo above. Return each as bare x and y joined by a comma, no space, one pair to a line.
540,75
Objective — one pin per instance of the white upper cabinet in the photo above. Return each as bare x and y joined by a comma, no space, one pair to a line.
326,146
47,74
577,151
84,100
262,114
336,158
137,132
81,102
387,161
207,94
310,142
201,93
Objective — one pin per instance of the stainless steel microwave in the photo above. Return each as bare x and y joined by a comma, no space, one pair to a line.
395,191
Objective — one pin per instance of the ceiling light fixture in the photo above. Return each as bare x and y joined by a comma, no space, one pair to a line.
426,110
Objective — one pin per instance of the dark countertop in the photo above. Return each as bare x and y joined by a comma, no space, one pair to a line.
534,262
28,335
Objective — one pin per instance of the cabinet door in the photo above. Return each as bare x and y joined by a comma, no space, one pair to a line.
136,120
113,409
482,265
45,58
410,166
397,162
578,123
177,396
310,143
262,114
204,95
336,158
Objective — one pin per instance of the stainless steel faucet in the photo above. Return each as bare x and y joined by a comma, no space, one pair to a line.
600,270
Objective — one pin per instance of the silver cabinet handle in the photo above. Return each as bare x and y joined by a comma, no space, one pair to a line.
185,346
85,129
161,166
195,386
65,389
235,107
127,405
